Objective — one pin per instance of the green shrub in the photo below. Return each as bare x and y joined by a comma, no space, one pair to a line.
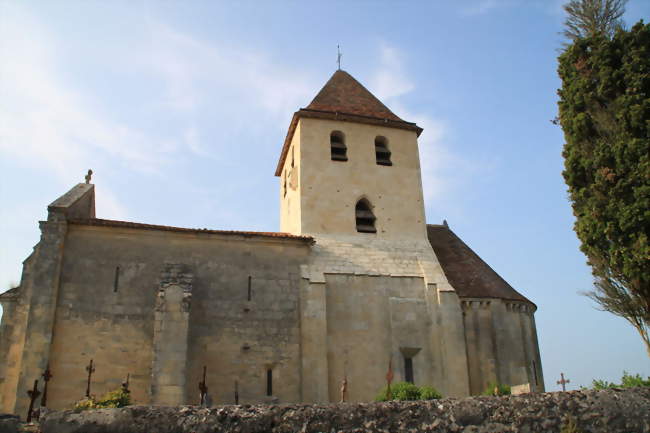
429,393
627,381
501,389
405,391
85,404
117,398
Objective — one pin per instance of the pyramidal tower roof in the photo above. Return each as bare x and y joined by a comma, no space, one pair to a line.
345,99
343,94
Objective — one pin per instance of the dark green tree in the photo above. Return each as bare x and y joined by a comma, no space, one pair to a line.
604,111
586,18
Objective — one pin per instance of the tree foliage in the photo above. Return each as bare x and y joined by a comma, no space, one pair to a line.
586,18
627,381
605,114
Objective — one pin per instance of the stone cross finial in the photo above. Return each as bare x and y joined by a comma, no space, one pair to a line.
89,175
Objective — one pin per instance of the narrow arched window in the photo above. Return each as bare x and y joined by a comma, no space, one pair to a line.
381,151
337,144
365,217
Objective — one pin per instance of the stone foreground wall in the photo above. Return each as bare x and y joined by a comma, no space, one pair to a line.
610,411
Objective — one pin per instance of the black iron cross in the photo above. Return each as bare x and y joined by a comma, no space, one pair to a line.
563,382
90,369
203,388
125,384
389,379
47,375
33,395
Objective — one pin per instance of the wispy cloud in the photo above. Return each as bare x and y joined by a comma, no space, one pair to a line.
49,123
444,171
390,83
198,74
483,7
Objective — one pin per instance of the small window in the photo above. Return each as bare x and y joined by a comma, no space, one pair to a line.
408,370
116,280
381,151
338,147
365,217
269,382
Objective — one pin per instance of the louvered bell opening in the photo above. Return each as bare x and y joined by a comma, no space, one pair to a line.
339,151
366,226
365,214
383,155
365,221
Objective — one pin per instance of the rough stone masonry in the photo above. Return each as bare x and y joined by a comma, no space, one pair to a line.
606,411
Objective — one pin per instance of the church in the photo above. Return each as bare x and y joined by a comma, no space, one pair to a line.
354,281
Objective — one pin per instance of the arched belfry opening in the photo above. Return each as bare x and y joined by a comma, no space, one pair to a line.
364,216
338,147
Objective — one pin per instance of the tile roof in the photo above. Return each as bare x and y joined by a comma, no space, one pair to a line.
140,226
465,270
343,94
344,98
10,294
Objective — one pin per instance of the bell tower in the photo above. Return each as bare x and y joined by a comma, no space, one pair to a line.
350,167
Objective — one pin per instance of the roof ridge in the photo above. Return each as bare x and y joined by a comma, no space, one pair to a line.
144,226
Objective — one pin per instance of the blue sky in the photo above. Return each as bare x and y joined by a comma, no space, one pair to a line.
181,108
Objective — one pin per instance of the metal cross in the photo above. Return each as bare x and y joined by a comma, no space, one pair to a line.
47,375
33,394
338,56
90,369
563,382
344,389
203,387
389,379
125,385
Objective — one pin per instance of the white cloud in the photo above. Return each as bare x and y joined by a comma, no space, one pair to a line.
483,7
228,79
444,172
390,80
49,123
389,84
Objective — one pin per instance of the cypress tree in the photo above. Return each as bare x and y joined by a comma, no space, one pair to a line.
604,111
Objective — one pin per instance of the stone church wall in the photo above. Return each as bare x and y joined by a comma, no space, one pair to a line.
369,320
108,314
501,344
